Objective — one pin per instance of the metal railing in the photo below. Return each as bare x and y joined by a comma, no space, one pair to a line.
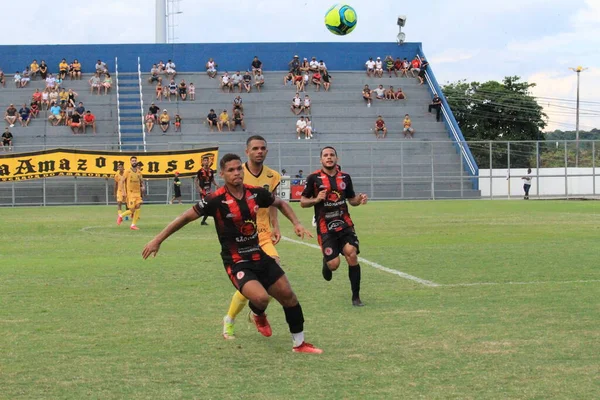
118,101
141,102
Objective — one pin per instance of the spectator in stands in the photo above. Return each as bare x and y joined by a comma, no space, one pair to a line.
370,66
7,139
296,106
259,80
211,68
379,92
288,78
45,103
182,90
309,128
101,68
305,65
158,89
70,112
257,65
247,83
2,78
390,94
89,119
63,117
178,123
43,70
154,75
25,77
63,95
226,82
172,90
10,115
154,110
295,65
299,177
397,65
408,130
149,121
63,69
211,118
24,115
378,68
165,92
54,117
236,80
299,82
17,78
301,127
405,67
80,109
313,65
238,119
389,65
316,80
238,104
415,67
380,127
34,67
72,97
306,105
223,120
400,95
326,80
76,72
366,93
170,69
53,95
35,109
95,83
436,104
161,66
192,91
322,66
76,126
37,96
421,76
165,121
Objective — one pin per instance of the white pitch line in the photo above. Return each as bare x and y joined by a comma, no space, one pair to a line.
517,283
374,265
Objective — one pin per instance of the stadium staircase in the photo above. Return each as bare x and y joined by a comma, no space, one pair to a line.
130,106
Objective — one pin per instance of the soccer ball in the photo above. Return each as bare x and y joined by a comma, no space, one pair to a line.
340,19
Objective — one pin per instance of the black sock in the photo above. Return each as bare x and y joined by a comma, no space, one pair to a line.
294,318
255,309
204,219
354,275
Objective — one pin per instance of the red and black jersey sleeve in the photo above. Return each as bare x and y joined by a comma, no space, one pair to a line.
206,206
264,198
349,190
310,187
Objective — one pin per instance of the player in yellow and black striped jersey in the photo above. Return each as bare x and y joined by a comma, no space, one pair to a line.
256,173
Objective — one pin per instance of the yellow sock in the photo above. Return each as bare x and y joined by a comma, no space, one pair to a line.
238,302
126,213
136,216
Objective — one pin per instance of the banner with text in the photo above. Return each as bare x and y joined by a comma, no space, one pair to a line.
102,164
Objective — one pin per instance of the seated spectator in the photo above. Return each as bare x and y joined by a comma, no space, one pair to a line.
247,81
43,70
76,124
288,78
421,76
154,75
380,127
63,69
54,117
405,67
366,93
415,67
45,103
173,90
313,65
236,80
238,104
256,65
309,128
34,67
211,68
408,131
24,115
299,177
378,68
7,139
192,91
299,82
154,110
95,83
296,106
80,109
53,95
259,80
17,78
63,117
305,66
238,119
316,80
306,105
390,94
322,66
149,121
170,69
400,95
182,88
295,65
89,119
70,111
226,82
326,80
177,123
25,77
59,82
301,127
76,71
436,104
397,65
72,97
37,96
101,68
389,65
166,92
10,115
35,109
165,121
379,92
370,66
223,120
2,78
161,66
211,118
63,95
305,79
159,90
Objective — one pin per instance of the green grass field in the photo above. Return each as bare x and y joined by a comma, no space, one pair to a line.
515,313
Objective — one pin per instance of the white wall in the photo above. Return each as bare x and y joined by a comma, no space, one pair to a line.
545,182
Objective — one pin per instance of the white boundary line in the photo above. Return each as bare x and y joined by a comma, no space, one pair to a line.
374,265
517,283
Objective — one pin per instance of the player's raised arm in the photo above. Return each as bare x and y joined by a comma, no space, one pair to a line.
154,245
286,210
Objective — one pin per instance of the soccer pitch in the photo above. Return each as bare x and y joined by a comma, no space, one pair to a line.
491,299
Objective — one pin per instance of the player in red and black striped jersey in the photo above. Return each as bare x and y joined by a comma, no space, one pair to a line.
327,190
205,179
255,274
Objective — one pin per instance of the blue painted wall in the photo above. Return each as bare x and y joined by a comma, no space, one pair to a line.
193,56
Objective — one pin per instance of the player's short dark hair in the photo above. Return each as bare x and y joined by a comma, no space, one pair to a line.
328,147
227,158
255,137
132,157
119,163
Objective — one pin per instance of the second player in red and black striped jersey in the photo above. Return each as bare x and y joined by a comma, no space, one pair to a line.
205,178
235,221
332,213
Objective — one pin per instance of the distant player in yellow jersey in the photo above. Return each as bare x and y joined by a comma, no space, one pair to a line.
257,174
134,187
119,190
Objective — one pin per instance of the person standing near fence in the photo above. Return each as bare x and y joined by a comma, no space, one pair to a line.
527,183
176,189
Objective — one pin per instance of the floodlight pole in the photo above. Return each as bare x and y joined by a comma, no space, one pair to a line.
161,21
578,71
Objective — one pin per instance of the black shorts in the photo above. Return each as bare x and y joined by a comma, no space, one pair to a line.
237,121
333,243
182,91
265,271
6,142
177,191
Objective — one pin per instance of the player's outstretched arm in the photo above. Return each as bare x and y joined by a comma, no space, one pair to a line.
359,199
274,220
289,214
154,245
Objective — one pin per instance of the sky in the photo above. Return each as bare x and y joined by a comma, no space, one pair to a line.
476,40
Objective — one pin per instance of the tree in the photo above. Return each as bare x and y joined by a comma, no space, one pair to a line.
499,112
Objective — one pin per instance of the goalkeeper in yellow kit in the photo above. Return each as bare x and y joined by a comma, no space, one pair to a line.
257,174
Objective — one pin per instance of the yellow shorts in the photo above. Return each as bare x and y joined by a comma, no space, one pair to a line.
120,197
266,244
133,201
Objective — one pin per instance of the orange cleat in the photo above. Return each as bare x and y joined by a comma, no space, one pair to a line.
119,220
306,348
134,228
262,324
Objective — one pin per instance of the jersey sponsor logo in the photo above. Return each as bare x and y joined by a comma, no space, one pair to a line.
335,224
240,275
334,195
333,214
248,228
328,251
269,175
227,201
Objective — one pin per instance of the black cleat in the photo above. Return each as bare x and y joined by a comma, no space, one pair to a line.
357,303
203,223
327,273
